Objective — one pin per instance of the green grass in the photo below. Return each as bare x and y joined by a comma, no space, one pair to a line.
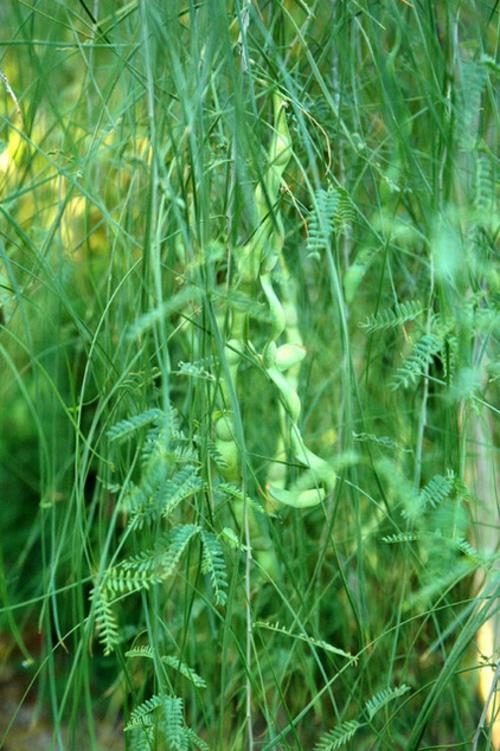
249,316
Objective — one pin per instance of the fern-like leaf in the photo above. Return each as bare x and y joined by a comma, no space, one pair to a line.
213,564
380,440
141,739
435,492
147,652
131,577
467,549
149,567
400,538
322,220
125,427
485,187
215,455
338,737
184,670
393,317
197,369
107,626
382,698
196,740
474,75
181,486
173,723
144,651
306,638
437,489
140,715
179,538
416,364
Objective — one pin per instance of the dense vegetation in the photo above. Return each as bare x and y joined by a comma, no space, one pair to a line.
249,308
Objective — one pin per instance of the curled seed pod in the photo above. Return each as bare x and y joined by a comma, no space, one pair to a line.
269,355
281,145
248,259
275,306
297,498
270,260
276,475
289,355
320,470
288,393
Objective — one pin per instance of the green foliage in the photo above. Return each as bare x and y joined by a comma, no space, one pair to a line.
179,538
339,736
473,80
173,723
416,364
140,715
146,651
161,490
165,714
185,670
436,490
392,318
213,565
344,732
322,221
126,427
384,697
107,625
248,343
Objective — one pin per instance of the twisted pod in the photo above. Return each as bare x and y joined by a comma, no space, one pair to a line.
257,261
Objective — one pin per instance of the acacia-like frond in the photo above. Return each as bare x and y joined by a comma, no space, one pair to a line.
185,670
140,713
173,723
322,220
390,318
179,539
107,626
213,564
182,485
129,425
382,698
338,737
415,365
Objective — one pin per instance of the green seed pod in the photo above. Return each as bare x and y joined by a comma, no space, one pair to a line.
269,355
248,260
289,355
268,562
297,499
276,475
275,306
270,260
319,471
281,146
230,469
232,352
224,429
262,206
290,396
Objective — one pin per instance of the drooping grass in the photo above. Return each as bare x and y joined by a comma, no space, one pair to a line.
249,312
